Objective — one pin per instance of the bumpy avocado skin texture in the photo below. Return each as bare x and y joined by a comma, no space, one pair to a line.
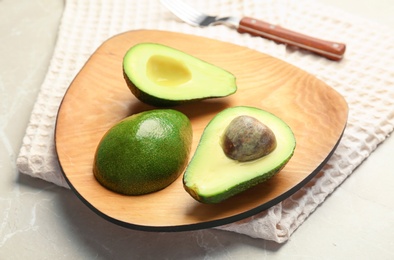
212,177
144,153
162,76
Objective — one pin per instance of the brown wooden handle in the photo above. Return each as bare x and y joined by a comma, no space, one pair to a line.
328,49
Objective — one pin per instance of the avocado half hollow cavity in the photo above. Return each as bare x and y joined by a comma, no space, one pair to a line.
239,148
159,75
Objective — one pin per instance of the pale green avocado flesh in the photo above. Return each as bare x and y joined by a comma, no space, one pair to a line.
162,76
212,177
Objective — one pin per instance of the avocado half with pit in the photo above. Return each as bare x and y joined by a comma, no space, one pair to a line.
239,148
163,76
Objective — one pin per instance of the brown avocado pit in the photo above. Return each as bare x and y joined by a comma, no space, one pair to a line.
247,139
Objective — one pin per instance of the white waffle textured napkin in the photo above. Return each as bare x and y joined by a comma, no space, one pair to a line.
365,77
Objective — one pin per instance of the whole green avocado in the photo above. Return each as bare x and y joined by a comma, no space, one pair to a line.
144,153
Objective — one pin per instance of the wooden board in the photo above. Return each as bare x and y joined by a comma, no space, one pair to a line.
98,98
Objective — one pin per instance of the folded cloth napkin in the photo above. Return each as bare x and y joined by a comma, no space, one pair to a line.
365,77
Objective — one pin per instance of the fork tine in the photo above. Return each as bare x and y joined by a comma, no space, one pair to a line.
183,11
189,10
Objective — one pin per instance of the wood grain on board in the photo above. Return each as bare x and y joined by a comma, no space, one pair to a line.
98,98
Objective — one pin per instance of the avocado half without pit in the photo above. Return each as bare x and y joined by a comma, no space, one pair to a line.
239,148
163,76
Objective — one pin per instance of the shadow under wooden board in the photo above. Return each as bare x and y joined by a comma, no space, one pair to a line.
98,97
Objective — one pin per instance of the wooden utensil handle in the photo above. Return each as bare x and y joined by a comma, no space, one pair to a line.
328,49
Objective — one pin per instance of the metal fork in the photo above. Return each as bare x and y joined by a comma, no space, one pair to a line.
328,49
